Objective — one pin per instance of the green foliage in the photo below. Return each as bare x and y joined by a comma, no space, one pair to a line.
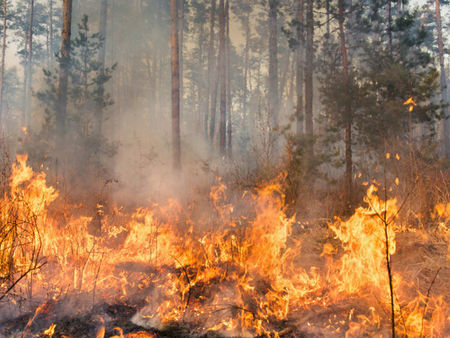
382,78
301,167
88,78
87,101
20,23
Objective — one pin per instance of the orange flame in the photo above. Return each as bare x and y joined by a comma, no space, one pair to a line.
248,268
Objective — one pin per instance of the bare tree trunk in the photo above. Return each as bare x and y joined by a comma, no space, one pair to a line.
28,67
181,43
299,75
64,75
210,65
2,78
50,15
444,89
212,122
327,9
101,60
348,122
228,81
30,63
283,79
176,143
222,77
202,89
292,79
246,70
389,29
309,68
273,69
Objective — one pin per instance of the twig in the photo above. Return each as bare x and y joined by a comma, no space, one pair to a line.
96,278
426,301
20,278
386,236
188,280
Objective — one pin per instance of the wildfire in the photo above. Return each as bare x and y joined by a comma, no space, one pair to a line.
242,272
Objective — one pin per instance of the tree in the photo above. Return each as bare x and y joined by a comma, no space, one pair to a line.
309,64
2,75
363,99
443,81
273,68
28,73
101,60
299,67
30,24
175,55
243,11
228,81
50,32
222,79
181,13
63,75
209,107
84,148
348,112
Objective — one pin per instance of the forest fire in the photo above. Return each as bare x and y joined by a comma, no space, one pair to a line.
217,168
243,272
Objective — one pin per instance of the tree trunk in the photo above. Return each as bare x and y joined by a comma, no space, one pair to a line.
202,89
444,89
176,143
50,30
273,69
212,122
180,48
283,79
64,75
101,60
28,68
246,70
2,76
348,113
208,109
299,75
222,77
228,80
389,28
309,68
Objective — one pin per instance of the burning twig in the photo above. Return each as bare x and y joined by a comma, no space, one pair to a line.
188,280
96,278
22,276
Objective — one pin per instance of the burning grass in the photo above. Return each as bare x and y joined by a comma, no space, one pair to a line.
244,269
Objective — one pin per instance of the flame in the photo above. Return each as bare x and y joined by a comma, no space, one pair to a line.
50,331
410,103
240,271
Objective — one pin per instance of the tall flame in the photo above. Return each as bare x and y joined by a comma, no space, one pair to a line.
241,271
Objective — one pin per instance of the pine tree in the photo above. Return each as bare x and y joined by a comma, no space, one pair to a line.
443,82
273,70
61,115
175,85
